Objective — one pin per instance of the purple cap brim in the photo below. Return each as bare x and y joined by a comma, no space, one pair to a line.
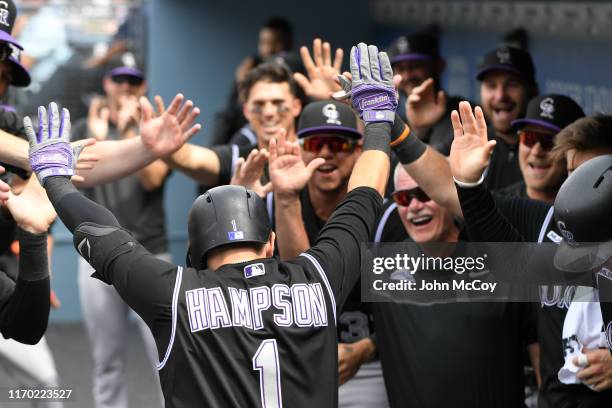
411,57
516,124
333,129
499,67
21,76
129,71
8,108
6,37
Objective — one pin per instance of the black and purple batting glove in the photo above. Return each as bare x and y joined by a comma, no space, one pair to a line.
374,97
50,150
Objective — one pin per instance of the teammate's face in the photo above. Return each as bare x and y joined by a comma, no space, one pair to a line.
334,174
413,73
575,158
504,99
271,107
267,44
424,222
115,91
6,77
541,171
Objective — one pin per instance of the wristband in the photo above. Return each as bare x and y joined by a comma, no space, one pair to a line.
464,184
377,136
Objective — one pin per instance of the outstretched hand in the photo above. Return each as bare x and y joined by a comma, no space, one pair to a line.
248,173
425,106
322,72
471,149
288,172
165,132
31,209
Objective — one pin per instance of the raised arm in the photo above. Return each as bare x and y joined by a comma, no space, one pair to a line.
143,281
24,305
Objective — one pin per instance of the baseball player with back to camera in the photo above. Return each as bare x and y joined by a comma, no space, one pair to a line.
236,327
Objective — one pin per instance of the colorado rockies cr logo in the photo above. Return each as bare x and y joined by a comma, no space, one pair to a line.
4,13
503,54
567,235
548,107
609,335
332,114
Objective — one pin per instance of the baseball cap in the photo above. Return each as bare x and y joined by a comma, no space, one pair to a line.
329,117
511,59
126,71
21,76
414,47
8,13
551,111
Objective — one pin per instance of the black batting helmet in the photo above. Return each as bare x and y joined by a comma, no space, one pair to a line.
225,215
583,213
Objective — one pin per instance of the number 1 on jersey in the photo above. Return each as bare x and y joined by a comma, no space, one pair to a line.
266,362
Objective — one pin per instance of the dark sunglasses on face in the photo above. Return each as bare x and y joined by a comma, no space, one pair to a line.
335,144
122,79
530,138
404,197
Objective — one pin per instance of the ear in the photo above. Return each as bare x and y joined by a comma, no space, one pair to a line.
270,245
296,107
246,111
106,84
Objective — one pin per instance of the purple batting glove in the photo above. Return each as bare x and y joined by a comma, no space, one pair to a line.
373,94
50,150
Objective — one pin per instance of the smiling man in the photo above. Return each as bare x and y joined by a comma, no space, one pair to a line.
543,171
507,82
270,104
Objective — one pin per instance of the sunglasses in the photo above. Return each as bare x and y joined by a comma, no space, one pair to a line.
531,138
404,197
122,79
336,144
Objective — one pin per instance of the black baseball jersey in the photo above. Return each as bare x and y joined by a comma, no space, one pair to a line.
254,334
355,321
503,168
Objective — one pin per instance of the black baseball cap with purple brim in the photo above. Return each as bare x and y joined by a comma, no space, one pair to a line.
8,13
328,117
126,71
550,111
509,59
414,47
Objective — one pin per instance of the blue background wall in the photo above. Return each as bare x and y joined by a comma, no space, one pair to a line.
194,47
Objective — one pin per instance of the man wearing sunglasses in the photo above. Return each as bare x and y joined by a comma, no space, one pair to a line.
137,201
543,171
329,130
415,351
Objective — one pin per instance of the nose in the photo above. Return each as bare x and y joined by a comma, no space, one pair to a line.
325,151
538,150
269,109
415,205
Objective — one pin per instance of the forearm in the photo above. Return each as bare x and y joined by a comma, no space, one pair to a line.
117,159
153,176
534,357
14,150
291,236
197,162
483,219
432,173
73,208
25,316
372,167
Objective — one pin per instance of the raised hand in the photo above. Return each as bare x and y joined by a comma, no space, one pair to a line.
288,172
322,72
31,209
371,85
248,173
471,149
50,151
97,119
170,129
425,107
